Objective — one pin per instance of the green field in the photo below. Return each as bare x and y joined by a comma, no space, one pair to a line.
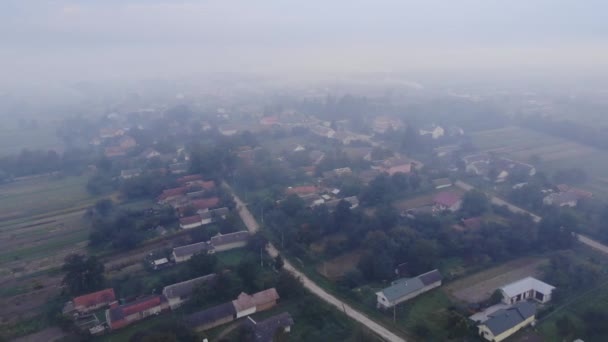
41,221
43,195
554,153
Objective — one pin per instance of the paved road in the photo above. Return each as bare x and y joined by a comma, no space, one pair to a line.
500,202
592,243
253,227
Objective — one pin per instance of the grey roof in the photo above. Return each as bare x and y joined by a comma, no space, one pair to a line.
402,288
178,166
210,315
405,286
192,249
229,238
442,181
264,330
214,213
505,319
430,277
130,172
185,288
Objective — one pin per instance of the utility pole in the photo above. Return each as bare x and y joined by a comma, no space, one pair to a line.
262,214
282,238
395,313
261,262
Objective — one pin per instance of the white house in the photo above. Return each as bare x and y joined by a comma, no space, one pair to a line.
527,288
434,131
561,199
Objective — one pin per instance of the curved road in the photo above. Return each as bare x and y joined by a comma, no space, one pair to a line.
500,202
495,200
252,226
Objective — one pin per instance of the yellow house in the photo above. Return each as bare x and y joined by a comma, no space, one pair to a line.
506,322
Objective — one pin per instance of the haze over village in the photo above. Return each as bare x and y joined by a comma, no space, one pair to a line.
316,171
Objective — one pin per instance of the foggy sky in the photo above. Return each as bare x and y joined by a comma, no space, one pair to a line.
113,39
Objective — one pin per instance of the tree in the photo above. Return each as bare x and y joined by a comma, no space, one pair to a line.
496,297
202,264
247,271
278,262
566,327
289,286
376,267
475,203
104,207
83,275
595,322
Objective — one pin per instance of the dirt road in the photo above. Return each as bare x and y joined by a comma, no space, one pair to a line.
500,202
593,244
253,227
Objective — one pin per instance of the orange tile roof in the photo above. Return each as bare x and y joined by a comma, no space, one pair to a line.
92,299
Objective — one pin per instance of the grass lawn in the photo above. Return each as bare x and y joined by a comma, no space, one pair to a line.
233,257
429,309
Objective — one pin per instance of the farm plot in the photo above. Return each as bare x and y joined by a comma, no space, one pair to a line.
41,222
337,267
25,199
554,153
480,286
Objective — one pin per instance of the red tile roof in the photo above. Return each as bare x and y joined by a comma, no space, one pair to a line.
190,219
172,192
580,193
205,203
473,222
141,305
302,190
404,168
269,120
266,296
96,298
447,199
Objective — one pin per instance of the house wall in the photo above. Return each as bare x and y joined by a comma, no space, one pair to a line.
151,311
515,329
229,246
175,303
191,225
246,312
214,324
530,294
85,309
265,306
